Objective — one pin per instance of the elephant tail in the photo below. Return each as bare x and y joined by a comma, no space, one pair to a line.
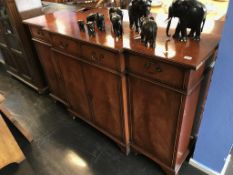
203,23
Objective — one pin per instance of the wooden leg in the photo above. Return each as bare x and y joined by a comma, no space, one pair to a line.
124,149
168,171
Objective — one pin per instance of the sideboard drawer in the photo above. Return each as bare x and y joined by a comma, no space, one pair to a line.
156,70
38,33
66,45
100,56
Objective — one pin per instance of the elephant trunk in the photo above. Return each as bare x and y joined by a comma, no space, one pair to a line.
169,19
168,27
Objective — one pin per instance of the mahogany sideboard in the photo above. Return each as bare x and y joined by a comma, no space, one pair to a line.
149,100
16,45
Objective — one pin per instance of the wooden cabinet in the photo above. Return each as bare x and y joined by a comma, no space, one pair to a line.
104,92
86,84
149,100
51,68
153,126
74,86
162,110
18,52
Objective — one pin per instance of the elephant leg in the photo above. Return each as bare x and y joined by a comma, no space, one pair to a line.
183,31
177,32
198,33
146,42
137,24
121,30
191,33
142,38
131,25
152,43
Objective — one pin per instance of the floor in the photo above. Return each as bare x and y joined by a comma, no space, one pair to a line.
63,146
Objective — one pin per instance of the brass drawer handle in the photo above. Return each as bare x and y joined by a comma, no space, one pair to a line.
152,67
158,69
96,58
63,45
39,32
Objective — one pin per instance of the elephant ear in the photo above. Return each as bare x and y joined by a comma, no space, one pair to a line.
185,5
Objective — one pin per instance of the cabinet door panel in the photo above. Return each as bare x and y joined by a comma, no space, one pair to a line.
3,11
75,89
154,114
13,43
2,3
2,38
22,66
7,28
105,97
10,62
2,41
50,68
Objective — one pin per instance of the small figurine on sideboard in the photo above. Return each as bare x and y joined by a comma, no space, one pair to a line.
148,31
116,17
91,17
191,14
138,9
100,21
81,25
91,28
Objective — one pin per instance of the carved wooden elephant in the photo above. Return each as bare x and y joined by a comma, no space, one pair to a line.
191,14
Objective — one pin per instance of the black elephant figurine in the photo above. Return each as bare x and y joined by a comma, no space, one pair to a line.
148,31
116,10
91,28
116,17
191,14
100,21
81,25
138,9
91,17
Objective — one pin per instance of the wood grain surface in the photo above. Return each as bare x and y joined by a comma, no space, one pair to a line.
166,50
10,151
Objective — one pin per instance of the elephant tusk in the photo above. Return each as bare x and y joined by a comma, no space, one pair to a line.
168,19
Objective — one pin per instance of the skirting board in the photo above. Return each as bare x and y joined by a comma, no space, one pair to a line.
202,168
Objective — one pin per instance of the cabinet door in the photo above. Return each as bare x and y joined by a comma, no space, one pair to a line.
2,38
75,87
104,93
10,62
153,118
3,10
51,70
6,27
21,65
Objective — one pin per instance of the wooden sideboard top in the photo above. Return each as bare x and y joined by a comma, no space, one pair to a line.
191,54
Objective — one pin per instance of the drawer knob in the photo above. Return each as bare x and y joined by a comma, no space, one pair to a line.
152,67
93,58
158,69
63,45
39,32
96,58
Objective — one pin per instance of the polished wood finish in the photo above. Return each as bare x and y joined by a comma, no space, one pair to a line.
51,68
18,52
156,70
143,97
